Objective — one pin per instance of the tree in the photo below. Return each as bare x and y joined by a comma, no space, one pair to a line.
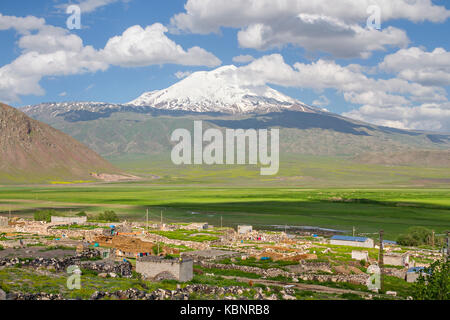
434,282
109,216
416,236
44,215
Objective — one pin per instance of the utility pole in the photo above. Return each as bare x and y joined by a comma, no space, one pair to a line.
448,247
432,239
161,219
147,220
9,213
380,261
221,222
353,230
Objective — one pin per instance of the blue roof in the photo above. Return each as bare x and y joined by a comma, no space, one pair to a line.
416,269
389,242
349,238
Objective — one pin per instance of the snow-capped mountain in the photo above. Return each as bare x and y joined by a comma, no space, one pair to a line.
219,90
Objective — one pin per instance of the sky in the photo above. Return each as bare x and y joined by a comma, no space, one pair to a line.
385,62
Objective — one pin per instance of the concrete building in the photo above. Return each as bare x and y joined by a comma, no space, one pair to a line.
197,226
413,273
352,241
69,220
360,255
3,221
245,229
396,259
158,268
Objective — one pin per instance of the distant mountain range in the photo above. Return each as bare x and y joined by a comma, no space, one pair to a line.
144,126
31,151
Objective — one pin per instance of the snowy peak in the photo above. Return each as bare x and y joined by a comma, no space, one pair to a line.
219,90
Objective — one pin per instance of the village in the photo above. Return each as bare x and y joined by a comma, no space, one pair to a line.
194,260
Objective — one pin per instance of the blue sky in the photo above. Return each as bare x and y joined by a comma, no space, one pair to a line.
343,73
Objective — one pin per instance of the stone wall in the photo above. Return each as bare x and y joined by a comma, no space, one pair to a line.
271,273
160,269
61,265
69,220
3,222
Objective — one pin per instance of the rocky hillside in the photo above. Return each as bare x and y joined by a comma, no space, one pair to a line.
31,152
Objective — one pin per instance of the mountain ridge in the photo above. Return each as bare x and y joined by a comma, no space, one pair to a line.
32,151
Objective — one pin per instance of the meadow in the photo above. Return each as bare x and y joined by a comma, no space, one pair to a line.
368,210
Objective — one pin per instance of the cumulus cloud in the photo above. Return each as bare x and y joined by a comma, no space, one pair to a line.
21,24
428,117
138,47
416,64
338,28
391,102
53,51
243,58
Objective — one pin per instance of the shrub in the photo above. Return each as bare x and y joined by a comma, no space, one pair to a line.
81,214
108,216
44,215
435,285
416,236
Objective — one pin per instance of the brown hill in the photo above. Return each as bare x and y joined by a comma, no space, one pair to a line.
32,152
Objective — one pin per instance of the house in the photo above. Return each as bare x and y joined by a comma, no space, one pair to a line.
360,255
413,273
396,259
68,220
388,243
352,241
245,229
197,226
159,268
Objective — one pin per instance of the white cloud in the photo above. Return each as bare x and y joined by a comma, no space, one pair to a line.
63,94
21,24
88,6
53,51
394,102
243,58
337,28
138,47
182,74
429,117
415,64
321,102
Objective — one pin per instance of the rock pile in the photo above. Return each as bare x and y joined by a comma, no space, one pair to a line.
61,265
233,292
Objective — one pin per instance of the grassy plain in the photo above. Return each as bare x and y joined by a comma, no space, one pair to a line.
369,210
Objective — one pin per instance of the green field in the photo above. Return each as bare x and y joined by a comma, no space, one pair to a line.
369,210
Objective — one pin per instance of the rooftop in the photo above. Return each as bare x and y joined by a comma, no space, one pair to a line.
349,238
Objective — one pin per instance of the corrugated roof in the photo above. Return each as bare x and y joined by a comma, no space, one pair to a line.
349,238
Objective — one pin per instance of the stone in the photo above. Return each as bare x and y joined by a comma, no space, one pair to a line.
2,295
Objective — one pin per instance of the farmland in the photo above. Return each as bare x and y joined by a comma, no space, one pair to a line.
369,210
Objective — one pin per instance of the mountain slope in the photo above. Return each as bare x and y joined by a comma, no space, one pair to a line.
31,151
222,100
218,91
